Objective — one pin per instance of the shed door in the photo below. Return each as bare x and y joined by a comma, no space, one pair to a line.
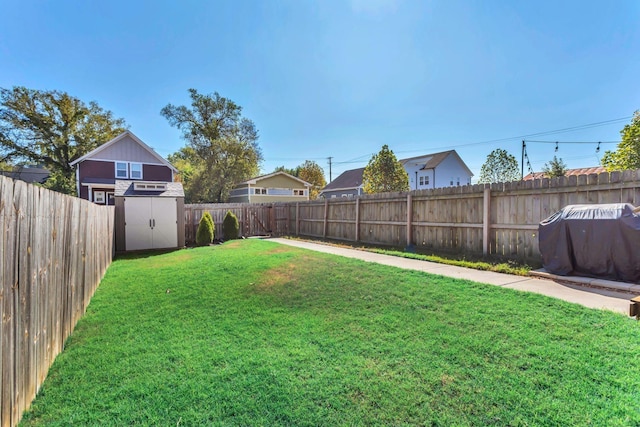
150,223
165,222
138,217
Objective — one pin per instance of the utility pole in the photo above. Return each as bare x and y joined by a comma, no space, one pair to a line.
330,158
522,161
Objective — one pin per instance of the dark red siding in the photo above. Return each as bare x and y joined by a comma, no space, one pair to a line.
94,169
156,173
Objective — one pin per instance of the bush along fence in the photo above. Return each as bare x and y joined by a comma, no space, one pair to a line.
491,219
253,219
54,252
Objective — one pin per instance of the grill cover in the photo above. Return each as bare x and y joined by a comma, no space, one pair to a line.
592,240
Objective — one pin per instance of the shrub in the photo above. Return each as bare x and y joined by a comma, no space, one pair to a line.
206,230
230,226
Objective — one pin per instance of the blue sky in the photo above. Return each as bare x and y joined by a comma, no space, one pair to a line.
342,78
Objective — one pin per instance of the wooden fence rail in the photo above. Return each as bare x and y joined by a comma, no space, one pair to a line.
54,252
496,219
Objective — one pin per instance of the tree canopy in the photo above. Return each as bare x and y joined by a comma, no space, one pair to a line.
500,166
627,154
555,168
222,146
53,129
384,173
311,172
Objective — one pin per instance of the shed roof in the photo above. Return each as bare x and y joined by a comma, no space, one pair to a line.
125,188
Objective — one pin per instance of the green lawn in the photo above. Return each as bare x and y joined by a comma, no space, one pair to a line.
255,333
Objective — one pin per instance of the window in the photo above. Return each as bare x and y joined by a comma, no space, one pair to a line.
136,170
422,180
451,182
121,170
333,196
426,180
260,191
98,197
458,181
298,192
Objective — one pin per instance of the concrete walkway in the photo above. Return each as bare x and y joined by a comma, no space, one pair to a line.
593,298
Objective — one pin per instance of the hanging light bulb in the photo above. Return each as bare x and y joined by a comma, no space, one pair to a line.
556,146
598,148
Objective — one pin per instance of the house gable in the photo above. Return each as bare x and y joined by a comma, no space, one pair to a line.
280,181
125,147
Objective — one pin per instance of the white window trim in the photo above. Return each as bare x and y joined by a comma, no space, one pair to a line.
131,170
99,197
126,170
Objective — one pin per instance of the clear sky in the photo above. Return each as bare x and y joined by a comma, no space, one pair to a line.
341,78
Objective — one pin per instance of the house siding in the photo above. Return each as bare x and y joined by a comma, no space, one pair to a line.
156,173
96,169
127,148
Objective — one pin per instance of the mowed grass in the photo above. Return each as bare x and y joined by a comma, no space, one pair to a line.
256,333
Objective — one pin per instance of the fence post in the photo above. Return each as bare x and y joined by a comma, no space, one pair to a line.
486,220
326,215
297,218
409,219
357,219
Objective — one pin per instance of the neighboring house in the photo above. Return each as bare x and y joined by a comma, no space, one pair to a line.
275,187
569,172
28,173
445,169
347,184
124,157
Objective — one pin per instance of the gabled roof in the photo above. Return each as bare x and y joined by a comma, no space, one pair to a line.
119,138
569,172
346,180
431,161
352,179
255,180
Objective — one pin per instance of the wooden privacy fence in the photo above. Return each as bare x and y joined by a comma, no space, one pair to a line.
497,219
254,219
54,252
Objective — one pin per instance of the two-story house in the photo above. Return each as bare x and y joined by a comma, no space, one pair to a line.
445,169
125,157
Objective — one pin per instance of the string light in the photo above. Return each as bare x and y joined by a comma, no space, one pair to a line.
598,148
556,146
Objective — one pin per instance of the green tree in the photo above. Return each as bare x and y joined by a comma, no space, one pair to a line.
230,226
309,171
189,165
206,230
224,144
292,172
500,166
555,168
627,154
385,173
52,128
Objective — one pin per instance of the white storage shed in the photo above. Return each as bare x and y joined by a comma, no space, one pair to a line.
149,215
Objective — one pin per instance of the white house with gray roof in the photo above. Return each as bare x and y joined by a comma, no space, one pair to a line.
444,169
